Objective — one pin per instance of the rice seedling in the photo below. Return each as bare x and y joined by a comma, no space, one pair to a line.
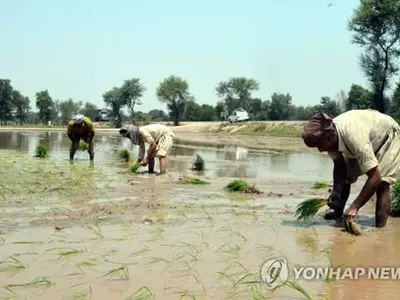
243,187
135,167
192,181
320,185
41,151
124,154
295,286
79,295
83,146
96,230
68,253
198,164
12,265
37,282
122,273
308,208
143,293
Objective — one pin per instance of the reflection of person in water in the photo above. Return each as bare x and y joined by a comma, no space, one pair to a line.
359,142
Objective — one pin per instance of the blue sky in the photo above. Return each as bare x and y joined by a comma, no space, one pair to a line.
80,49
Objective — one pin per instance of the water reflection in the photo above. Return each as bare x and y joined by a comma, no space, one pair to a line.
222,161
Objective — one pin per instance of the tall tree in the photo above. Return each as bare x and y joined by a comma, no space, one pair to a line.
6,91
376,27
89,110
236,92
132,90
45,104
174,91
113,99
395,108
358,98
280,107
21,105
68,108
330,107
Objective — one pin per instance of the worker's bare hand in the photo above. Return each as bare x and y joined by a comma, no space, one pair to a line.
144,162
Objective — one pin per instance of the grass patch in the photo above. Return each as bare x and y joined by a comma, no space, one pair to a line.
41,151
308,208
242,187
320,185
124,154
190,180
278,130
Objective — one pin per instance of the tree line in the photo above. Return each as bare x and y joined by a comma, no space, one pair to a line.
375,27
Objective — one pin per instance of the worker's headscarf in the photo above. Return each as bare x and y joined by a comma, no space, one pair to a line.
315,128
131,132
78,119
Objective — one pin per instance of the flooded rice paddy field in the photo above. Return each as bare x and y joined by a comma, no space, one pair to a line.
97,231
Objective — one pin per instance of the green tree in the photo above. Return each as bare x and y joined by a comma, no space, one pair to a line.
157,115
6,98
358,98
45,105
376,27
69,108
174,91
21,105
236,92
89,110
131,91
113,99
330,107
280,107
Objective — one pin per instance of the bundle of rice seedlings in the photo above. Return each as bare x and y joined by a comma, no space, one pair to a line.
308,208
134,167
124,154
192,181
243,187
41,151
83,146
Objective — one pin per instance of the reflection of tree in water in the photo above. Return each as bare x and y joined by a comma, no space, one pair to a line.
182,151
240,170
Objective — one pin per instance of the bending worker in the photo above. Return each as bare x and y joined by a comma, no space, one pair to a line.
359,142
80,127
158,136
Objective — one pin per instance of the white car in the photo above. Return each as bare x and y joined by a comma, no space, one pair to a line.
238,115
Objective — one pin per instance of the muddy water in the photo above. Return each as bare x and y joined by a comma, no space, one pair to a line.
181,241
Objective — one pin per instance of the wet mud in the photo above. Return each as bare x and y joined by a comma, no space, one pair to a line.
97,231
